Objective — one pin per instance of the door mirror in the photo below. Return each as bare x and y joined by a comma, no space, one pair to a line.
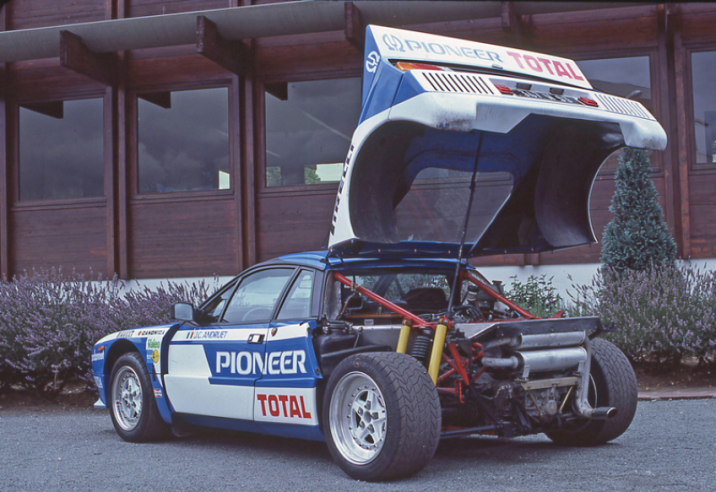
182,311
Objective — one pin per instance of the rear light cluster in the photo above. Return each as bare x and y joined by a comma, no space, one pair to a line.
504,89
589,102
405,66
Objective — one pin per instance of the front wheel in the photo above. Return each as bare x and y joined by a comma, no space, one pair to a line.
613,384
131,401
381,416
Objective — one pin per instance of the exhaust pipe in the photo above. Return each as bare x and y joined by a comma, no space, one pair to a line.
540,360
604,413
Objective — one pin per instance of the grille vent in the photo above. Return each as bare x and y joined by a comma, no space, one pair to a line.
459,83
623,106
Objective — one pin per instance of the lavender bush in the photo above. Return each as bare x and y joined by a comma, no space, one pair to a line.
662,314
49,322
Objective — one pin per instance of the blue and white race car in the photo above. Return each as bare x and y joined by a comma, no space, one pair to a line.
388,340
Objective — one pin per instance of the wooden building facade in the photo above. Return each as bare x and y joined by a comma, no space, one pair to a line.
102,194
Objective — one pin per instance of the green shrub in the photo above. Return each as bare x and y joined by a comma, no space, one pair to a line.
537,295
637,236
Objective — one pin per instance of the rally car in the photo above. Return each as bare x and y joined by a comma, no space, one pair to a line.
388,340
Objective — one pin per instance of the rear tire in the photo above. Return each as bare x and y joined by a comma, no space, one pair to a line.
381,416
132,406
614,383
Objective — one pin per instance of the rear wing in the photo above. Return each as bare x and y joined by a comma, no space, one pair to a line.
436,109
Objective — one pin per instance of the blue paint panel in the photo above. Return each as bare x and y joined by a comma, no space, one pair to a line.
382,92
311,433
409,87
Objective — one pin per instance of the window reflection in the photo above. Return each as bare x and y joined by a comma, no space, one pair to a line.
183,140
61,150
703,72
626,77
309,130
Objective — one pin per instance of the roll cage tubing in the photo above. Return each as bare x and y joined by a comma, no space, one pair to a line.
410,322
416,320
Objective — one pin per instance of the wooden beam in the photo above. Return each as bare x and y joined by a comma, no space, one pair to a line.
54,109
161,99
234,56
4,188
666,88
511,24
684,142
278,90
75,55
354,28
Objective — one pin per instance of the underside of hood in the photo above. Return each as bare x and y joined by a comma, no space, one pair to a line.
425,135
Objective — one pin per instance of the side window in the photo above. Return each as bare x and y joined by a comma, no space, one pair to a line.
298,301
215,306
256,296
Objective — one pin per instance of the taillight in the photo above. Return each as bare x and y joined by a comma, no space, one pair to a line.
503,89
405,66
589,102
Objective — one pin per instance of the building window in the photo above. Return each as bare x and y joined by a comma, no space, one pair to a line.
628,77
309,126
703,71
61,150
183,140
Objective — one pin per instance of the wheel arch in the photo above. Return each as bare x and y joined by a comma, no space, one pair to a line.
117,350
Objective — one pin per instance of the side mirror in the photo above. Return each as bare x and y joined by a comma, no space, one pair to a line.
182,311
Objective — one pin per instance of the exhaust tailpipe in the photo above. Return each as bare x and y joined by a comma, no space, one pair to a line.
604,413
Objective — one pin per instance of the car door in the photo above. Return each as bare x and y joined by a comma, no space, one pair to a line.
286,392
212,369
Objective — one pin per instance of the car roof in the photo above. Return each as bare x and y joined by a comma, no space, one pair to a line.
320,260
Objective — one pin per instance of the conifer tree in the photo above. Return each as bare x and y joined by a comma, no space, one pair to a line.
637,237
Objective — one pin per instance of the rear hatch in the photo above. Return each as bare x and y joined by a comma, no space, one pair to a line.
438,111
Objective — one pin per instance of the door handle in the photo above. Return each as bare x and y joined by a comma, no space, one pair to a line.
256,338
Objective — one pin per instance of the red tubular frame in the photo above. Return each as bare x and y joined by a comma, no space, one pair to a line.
418,322
523,312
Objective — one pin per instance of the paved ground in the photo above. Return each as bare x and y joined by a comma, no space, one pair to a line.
671,446
678,394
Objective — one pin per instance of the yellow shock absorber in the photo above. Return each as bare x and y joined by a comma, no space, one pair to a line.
404,334
437,353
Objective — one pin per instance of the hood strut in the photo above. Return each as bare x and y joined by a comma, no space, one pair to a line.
464,228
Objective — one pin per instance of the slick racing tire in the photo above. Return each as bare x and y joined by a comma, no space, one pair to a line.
381,416
131,401
613,384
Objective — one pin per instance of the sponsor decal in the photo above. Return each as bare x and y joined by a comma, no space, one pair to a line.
371,61
98,356
146,333
98,382
206,335
286,406
157,393
394,43
153,344
245,363
539,64
155,356
125,334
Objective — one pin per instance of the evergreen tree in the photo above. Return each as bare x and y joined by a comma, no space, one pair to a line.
637,237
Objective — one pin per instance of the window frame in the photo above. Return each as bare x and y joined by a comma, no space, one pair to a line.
13,126
658,163
279,300
688,86
260,119
234,143
311,298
